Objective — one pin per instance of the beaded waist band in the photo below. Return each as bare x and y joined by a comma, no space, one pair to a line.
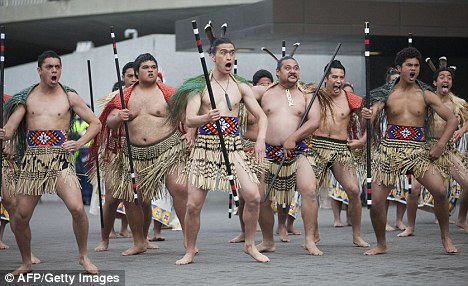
276,153
401,132
46,138
229,125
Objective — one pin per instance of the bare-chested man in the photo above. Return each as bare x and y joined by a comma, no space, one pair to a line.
406,104
206,162
284,104
332,147
40,116
442,79
158,150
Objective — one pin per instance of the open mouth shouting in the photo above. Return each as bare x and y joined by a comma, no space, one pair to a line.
336,88
412,76
54,79
445,88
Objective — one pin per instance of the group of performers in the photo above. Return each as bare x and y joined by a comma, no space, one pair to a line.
282,139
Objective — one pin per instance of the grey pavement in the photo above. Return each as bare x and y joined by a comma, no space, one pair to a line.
418,260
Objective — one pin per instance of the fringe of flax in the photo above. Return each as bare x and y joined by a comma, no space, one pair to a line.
104,167
40,169
445,163
206,168
284,186
324,154
11,174
151,165
397,157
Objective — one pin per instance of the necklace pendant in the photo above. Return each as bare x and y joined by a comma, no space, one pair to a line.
228,101
289,97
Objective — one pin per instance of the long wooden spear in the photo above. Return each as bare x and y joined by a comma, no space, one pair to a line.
2,80
97,157
304,117
408,175
122,101
368,126
213,106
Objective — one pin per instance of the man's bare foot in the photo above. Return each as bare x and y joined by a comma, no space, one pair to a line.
283,233
400,225
24,268
409,231
317,237
102,246
255,254
293,230
157,237
376,250
463,225
3,245
448,245
389,227
187,259
358,241
312,248
113,235
34,259
88,266
125,233
150,245
338,224
266,247
134,250
239,238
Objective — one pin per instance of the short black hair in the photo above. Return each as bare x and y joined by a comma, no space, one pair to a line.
47,54
407,53
141,59
438,71
280,61
217,42
127,66
335,64
261,74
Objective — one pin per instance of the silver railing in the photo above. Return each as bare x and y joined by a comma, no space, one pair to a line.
22,2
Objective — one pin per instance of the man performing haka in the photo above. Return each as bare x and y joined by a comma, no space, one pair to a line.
284,104
408,106
206,161
332,149
41,117
158,149
454,162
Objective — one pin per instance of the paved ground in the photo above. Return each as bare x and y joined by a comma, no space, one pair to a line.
419,260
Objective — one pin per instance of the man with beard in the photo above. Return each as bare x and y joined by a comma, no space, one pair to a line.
284,103
332,147
408,106
41,117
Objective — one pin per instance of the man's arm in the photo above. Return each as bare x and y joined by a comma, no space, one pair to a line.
250,101
451,122
311,124
457,135
85,113
13,122
193,119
